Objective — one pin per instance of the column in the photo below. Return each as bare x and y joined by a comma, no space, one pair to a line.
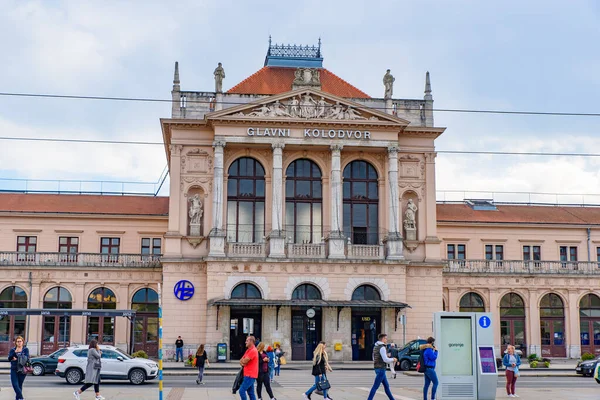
393,241
217,234
335,241
277,236
572,328
533,323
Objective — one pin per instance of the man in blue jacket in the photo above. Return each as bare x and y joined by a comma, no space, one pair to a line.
430,354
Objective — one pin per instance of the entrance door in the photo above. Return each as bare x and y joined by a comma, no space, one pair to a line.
102,329
365,328
244,322
590,336
10,327
145,335
56,334
306,334
553,338
512,332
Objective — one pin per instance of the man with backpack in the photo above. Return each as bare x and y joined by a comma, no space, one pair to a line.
426,365
380,361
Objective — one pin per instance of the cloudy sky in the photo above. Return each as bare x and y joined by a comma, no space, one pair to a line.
504,55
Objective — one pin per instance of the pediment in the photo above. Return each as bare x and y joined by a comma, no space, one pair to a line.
306,104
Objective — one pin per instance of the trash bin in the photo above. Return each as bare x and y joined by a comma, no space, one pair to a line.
221,352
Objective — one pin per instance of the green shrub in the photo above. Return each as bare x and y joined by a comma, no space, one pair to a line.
532,357
139,354
587,356
547,364
533,364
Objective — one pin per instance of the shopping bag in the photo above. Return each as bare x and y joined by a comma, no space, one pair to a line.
516,371
282,360
194,362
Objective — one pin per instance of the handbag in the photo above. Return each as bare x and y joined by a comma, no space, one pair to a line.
282,360
516,371
27,369
97,364
23,362
323,383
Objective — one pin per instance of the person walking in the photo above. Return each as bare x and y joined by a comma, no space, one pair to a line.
512,362
250,364
278,354
264,375
380,363
92,371
18,357
271,356
430,354
178,349
201,359
320,366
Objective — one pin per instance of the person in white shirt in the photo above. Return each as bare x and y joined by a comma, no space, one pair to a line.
380,361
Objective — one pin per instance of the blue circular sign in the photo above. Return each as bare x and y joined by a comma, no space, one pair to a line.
485,322
183,290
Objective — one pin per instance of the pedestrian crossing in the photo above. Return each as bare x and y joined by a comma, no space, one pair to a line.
304,380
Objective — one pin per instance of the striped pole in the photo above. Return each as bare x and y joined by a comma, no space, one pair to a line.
160,345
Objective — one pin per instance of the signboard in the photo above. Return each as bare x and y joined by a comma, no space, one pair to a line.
456,346
248,326
183,290
485,321
487,360
222,352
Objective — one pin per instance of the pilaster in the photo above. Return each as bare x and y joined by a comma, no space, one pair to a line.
393,241
277,235
335,240
217,234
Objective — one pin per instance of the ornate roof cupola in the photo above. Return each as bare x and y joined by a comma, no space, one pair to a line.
306,59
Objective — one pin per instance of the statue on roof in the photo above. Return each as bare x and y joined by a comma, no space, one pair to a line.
388,82
219,76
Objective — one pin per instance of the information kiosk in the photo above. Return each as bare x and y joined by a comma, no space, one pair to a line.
466,364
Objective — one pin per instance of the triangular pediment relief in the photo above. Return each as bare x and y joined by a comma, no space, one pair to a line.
306,104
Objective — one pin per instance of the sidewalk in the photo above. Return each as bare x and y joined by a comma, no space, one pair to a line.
133,393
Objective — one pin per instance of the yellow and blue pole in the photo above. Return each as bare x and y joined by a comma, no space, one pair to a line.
160,345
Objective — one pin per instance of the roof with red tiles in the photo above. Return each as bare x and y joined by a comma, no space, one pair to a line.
276,80
520,214
84,204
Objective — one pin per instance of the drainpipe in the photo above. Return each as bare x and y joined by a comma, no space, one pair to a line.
29,307
589,244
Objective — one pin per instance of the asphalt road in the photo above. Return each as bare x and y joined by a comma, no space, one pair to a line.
302,380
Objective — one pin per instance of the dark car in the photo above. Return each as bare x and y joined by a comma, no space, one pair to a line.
46,364
587,368
408,356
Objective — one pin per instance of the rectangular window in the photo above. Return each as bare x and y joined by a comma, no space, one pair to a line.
494,252
26,246
568,253
457,251
526,253
151,246
109,247
68,247
451,252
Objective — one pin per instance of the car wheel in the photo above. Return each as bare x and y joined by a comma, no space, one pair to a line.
73,376
137,376
405,365
38,369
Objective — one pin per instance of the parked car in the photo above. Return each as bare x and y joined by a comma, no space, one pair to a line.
46,364
115,365
587,368
408,356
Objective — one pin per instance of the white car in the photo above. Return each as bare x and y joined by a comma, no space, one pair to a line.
115,365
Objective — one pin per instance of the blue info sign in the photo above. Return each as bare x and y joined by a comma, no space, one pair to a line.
183,290
485,322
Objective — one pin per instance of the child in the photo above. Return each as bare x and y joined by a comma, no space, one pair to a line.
392,364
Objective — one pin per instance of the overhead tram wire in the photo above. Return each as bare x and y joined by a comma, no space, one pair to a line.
188,101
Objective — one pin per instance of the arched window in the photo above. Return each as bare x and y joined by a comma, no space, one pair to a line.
102,298
471,302
306,292
512,305
102,328
58,297
245,291
303,202
589,323
246,201
145,300
366,292
14,325
552,322
361,202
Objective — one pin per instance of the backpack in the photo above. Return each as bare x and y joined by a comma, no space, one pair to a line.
421,363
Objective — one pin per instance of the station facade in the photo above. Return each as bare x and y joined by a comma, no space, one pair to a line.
300,209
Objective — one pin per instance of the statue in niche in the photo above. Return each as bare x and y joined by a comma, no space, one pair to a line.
388,82
219,76
195,213
410,222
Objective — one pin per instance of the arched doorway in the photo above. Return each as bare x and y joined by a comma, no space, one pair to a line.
306,325
512,322
303,202
102,328
145,329
552,326
245,320
366,323
11,326
361,203
589,323
245,201
56,330
471,302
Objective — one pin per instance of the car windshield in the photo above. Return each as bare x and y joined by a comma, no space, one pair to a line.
58,353
412,345
125,356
